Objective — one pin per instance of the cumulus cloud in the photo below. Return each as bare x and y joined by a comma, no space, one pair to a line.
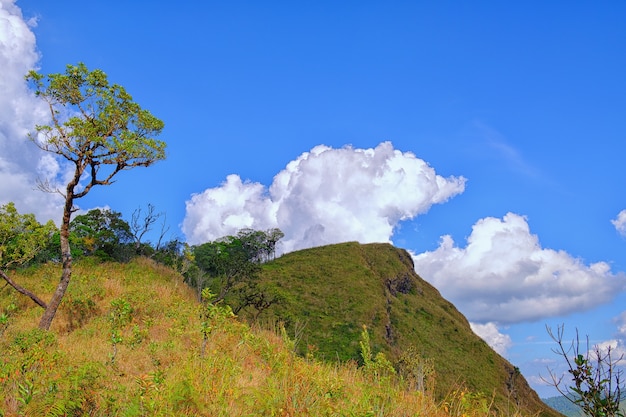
21,162
620,222
489,333
615,347
504,276
324,196
225,210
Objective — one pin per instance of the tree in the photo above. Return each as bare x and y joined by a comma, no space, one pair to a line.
21,237
227,260
139,226
234,264
597,386
100,131
272,237
260,245
175,254
102,233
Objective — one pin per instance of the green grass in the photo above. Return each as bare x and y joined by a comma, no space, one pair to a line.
128,342
330,292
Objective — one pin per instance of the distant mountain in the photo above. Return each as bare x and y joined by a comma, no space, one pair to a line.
328,293
564,406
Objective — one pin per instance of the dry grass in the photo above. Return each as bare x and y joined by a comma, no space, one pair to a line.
158,369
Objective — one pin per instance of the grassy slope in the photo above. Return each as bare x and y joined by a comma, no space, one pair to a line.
330,292
158,367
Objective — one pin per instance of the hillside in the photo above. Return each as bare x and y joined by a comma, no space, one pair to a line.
564,406
128,342
329,292
567,408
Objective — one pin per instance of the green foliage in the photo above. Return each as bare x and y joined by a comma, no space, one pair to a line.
5,315
32,378
21,236
102,233
120,316
591,393
212,315
259,245
175,254
378,366
244,371
95,123
183,398
417,371
32,341
463,403
230,266
597,384
78,311
159,372
335,289
51,252
227,257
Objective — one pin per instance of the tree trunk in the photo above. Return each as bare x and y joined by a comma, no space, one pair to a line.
57,297
66,256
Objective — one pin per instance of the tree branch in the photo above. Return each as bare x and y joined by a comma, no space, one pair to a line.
23,290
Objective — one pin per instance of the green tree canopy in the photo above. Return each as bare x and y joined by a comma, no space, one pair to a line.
95,125
21,238
233,265
102,233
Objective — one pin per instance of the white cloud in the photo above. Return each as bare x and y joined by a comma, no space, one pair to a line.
489,333
620,222
621,324
615,347
324,196
21,162
503,275
538,380
224,210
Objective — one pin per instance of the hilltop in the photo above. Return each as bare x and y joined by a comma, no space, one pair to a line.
328,293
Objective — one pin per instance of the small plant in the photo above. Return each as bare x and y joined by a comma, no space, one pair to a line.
138,335
292,343
597,388
4,317
149,385
417,371
378,366
26,392
119,317
211,314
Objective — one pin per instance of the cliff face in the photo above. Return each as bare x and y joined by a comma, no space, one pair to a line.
328,293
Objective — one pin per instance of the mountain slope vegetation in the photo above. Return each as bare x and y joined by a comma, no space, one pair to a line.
128,341
132,339
328,293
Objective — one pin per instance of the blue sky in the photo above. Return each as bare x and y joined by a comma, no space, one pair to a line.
487,138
